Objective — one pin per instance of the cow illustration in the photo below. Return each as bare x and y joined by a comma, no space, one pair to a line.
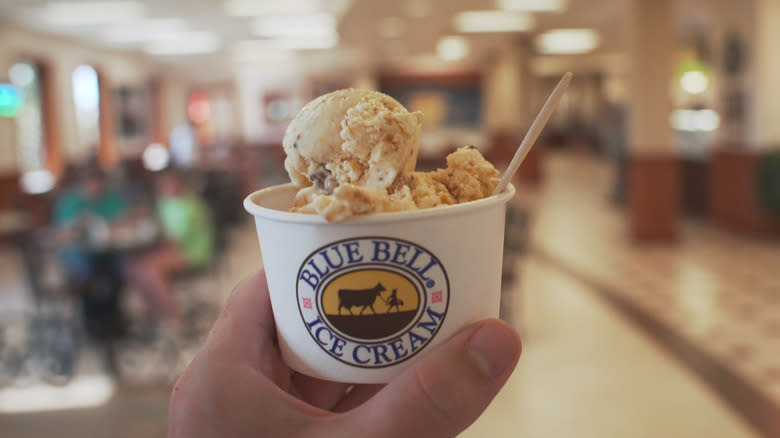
394,301
349,298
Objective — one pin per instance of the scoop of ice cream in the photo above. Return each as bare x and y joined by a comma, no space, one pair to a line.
468,177
351,136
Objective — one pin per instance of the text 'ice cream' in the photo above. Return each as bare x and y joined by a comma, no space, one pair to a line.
353,152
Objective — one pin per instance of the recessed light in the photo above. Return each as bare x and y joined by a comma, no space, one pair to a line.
321,43
143,30
261,51
294,26
256,8
493,21
91,13
533,5
263,48
567,41
452,48
184,43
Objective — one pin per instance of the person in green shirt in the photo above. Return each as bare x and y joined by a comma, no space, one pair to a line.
186,224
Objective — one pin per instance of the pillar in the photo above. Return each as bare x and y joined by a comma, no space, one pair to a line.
52,137
766,111
505,90
158,122
654,170
108,150
508,113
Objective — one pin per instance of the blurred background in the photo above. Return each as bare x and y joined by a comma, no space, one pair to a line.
641,252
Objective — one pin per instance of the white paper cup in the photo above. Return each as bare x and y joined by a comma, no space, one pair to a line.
360,300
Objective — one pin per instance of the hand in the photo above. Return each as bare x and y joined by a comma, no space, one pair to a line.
238,385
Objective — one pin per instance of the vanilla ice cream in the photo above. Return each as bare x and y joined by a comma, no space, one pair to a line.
353,152
351,136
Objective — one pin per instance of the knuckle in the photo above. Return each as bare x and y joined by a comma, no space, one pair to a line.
438,405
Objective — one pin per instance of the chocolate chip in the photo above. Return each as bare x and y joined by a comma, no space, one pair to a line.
321,178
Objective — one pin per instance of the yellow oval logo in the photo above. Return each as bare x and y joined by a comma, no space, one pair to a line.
372,301
370,304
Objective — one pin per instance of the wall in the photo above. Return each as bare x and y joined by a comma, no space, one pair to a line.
63,57
255,82
116,67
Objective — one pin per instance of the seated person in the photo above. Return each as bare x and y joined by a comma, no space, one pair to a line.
188,230
80,214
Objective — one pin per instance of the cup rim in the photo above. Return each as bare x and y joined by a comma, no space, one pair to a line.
253,207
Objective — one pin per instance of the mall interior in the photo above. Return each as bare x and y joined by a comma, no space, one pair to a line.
641,251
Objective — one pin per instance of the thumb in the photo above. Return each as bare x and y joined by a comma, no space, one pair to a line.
446,391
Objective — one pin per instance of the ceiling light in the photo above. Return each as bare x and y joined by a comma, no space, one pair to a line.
322,43
91,13
144,30
184,43
567,41
261,52
533,5
262,49
256,8
391,27
493,21
452,48
295,26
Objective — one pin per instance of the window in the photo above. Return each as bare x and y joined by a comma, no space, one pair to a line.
26,76
86,97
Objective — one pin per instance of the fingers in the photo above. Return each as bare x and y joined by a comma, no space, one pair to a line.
245,329
320,393
446,391
359,395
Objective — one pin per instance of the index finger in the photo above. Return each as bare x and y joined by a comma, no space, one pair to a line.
245,327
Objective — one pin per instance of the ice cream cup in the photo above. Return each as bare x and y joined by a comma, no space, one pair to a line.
360,300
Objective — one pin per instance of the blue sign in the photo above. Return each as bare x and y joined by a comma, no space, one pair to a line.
11,100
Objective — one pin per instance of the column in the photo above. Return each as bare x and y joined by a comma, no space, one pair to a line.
734,200
507,95
108,151
158,122
52,124
505,89
654,170
766,111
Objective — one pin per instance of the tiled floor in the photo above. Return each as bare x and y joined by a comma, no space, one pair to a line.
587,370
718,291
